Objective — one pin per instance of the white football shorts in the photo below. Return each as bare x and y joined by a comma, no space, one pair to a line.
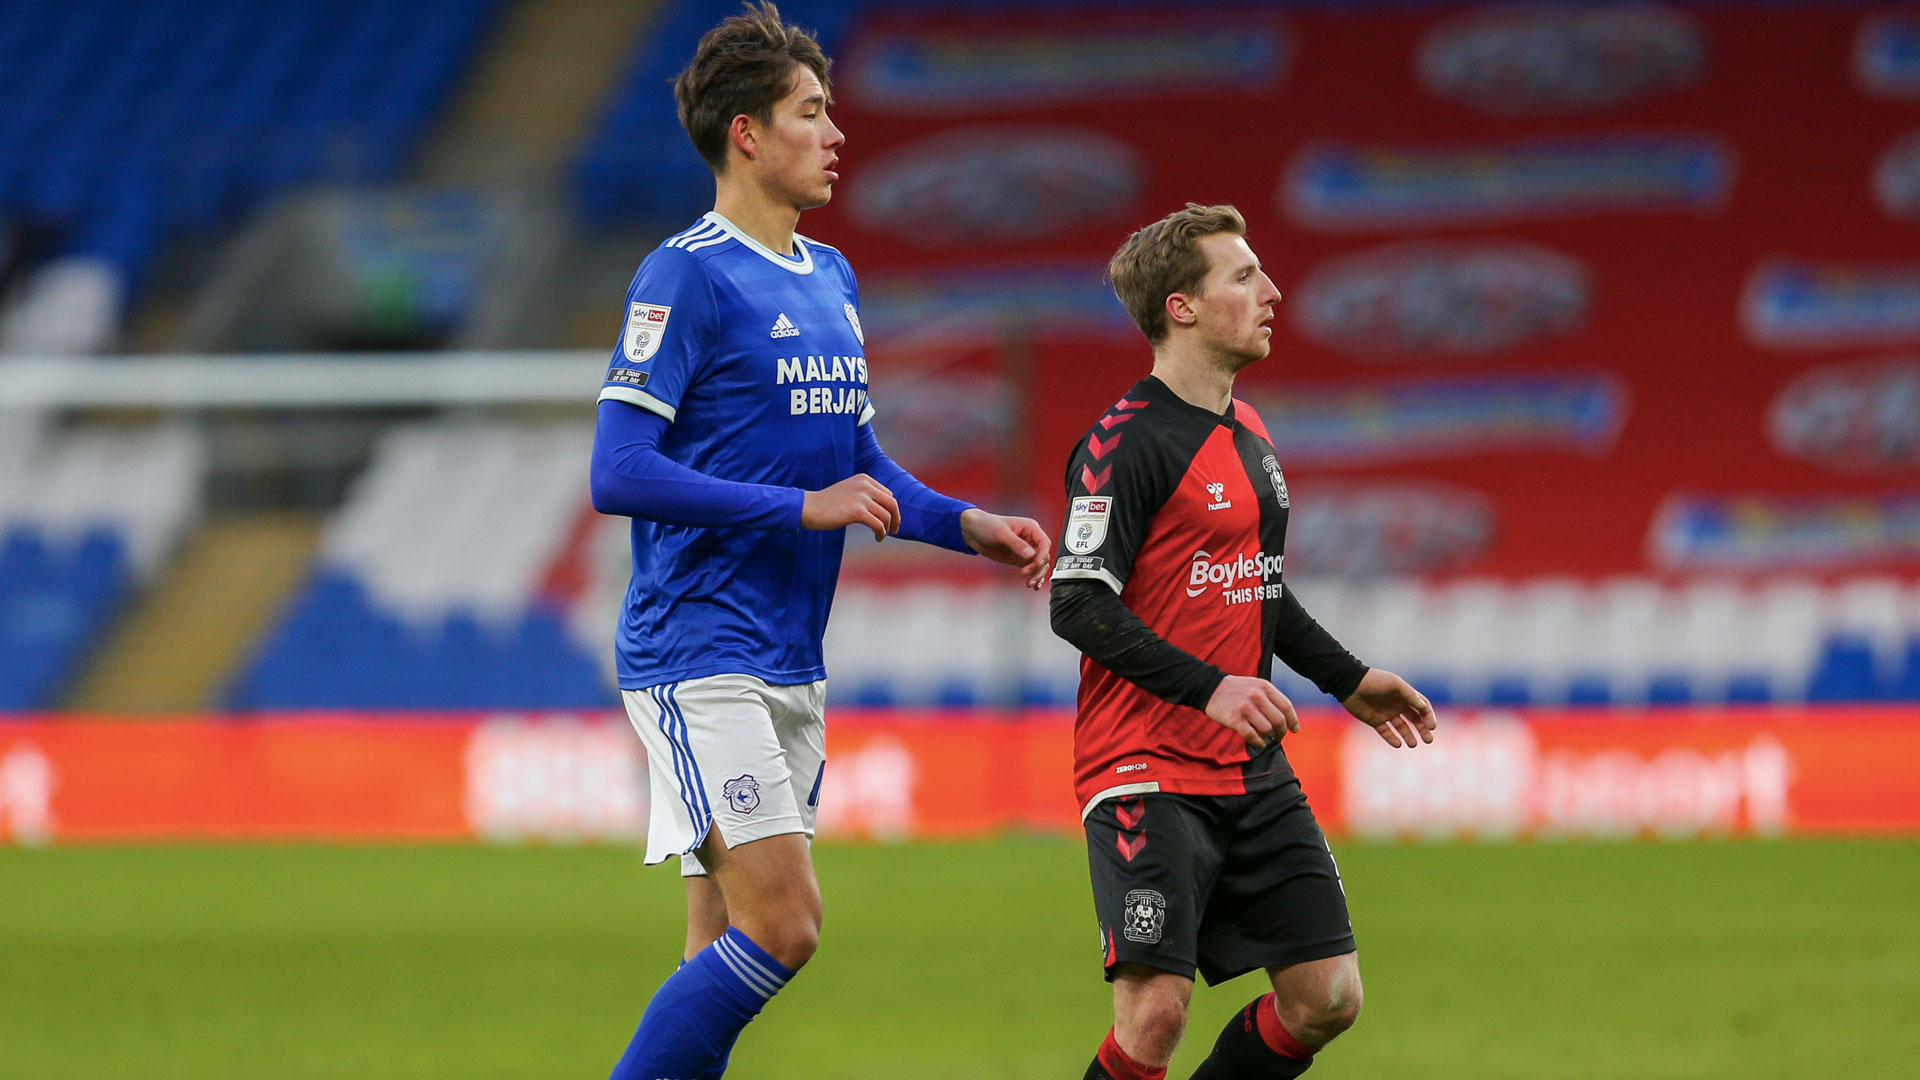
732,753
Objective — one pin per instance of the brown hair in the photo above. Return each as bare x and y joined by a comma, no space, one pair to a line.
1165,258
744,65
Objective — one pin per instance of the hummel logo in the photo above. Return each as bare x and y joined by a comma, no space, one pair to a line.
1218,493
783,327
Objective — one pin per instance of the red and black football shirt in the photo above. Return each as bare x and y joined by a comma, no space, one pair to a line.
1183,513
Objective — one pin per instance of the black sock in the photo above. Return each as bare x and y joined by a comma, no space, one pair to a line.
1243,1051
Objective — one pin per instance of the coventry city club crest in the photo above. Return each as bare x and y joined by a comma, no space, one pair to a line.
1279,482
742,794
1146,916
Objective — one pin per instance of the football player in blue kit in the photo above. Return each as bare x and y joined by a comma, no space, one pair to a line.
734,428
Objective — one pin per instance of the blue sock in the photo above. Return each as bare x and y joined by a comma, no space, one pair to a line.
719,1068
695,1016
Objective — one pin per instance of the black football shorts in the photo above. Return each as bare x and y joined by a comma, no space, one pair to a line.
1222,883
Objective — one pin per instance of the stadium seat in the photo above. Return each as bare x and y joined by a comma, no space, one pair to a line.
236,103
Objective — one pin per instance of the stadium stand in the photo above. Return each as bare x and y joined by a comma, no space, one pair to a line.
429,588
237,102
86,520
637,164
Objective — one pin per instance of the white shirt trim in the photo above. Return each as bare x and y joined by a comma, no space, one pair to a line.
1102,574
866,415
633,395
1141,788
804,266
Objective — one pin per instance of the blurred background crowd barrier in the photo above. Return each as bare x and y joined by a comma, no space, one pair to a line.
1597,385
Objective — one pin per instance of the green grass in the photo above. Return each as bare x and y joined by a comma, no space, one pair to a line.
1534,961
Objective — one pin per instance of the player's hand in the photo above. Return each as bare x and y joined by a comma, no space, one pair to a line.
1389,706
1016,541
857,500
1252,709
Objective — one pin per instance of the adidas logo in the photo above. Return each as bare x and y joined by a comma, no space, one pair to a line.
783,327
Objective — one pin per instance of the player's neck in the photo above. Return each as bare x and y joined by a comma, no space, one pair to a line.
1194,381
770,223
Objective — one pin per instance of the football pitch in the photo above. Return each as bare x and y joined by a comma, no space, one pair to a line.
976,960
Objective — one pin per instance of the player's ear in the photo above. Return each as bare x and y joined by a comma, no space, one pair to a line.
741,133
1180,309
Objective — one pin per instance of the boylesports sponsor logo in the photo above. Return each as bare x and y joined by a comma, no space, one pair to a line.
1389,527
1443,300
783,328
1896,178
1342,186
1852,417
1241,579
1513,60
994,185
1790,304
1804,532
955,69
1362,422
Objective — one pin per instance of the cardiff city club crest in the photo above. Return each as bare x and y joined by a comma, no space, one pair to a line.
1146,916
853,319
742,794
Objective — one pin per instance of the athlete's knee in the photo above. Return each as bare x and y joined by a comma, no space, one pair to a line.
1150,1018
1319,1014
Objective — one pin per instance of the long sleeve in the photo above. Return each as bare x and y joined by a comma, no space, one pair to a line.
630,477
925,514
1306,647
1092,618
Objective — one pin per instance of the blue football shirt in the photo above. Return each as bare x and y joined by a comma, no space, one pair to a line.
758,361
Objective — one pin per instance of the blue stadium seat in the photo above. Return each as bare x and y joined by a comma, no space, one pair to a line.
1845,672
336,649
56,598
123,122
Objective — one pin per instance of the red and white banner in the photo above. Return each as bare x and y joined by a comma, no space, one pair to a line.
901,776
1625,288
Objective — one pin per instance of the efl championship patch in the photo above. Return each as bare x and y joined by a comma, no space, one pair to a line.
645,324
627,375
1087,523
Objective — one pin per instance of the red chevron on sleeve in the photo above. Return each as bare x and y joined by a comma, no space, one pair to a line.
1094,481
1124,404
1117,418
1100,449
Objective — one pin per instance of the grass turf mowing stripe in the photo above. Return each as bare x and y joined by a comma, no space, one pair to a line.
1739,959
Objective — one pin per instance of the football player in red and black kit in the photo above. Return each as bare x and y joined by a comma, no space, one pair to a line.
1204,852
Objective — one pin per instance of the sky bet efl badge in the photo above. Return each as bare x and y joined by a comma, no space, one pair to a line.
1087,523
645,324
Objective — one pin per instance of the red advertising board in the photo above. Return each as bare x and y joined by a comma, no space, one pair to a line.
901,776
1589,289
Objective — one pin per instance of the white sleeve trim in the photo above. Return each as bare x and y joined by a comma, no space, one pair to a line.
1141,788
633,395
866,415
1102,575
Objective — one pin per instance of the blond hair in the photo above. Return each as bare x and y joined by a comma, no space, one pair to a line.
1165,258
